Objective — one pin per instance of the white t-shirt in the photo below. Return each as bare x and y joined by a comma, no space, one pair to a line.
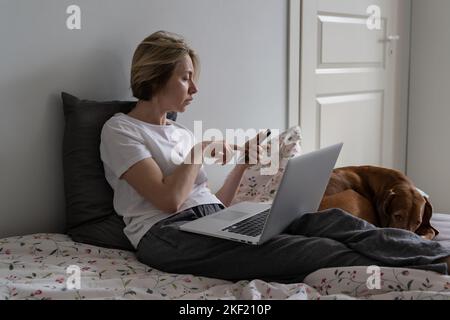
126,141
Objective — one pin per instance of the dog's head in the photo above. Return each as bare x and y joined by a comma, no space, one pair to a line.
405,208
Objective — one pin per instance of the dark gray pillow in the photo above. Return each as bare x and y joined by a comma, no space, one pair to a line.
90,215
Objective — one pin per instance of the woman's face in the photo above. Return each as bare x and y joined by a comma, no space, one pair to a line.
180,88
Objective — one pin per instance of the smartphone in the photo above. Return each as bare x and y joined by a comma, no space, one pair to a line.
266,135
259,139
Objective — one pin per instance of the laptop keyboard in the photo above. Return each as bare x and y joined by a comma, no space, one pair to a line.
252,226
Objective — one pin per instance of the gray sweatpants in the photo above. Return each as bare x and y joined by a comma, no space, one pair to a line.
331,238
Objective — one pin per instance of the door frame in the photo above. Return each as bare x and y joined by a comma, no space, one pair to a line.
403,75
294,65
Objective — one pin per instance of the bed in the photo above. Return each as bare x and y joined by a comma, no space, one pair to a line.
43,267
46,266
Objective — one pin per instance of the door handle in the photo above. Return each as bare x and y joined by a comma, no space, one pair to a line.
393,38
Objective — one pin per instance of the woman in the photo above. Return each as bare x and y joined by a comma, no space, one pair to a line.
159,183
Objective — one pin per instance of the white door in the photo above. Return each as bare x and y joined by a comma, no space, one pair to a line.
354,79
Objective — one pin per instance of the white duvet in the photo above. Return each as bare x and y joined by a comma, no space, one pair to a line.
47,266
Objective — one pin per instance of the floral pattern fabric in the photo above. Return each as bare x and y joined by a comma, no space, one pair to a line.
258,187
39,267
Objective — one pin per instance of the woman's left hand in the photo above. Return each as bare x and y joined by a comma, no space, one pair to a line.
253,151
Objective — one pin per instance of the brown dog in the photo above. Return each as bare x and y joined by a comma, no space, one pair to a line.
381,196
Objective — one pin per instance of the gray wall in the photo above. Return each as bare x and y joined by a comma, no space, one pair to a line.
429,129
243,49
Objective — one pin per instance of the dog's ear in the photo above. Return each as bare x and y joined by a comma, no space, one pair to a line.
383,205
426,229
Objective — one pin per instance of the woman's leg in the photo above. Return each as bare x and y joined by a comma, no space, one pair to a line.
311,243
286,258
393,247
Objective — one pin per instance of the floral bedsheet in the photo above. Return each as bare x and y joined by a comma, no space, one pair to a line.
51,266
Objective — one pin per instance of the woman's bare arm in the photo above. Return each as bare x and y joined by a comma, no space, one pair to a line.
166,193
228,191
253,151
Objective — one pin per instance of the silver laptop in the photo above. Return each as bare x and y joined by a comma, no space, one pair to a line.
300,191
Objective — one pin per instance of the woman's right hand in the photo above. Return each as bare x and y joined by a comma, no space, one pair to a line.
219,151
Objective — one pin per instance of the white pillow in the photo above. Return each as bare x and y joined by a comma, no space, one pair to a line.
257,187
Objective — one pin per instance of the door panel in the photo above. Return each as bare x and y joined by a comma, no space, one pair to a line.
343,117
348,81
345,41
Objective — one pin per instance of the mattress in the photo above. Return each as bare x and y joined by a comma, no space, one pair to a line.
52,266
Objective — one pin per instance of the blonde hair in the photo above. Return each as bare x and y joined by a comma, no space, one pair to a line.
155,60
